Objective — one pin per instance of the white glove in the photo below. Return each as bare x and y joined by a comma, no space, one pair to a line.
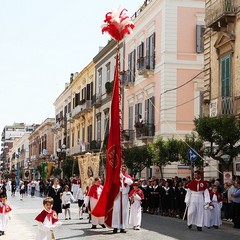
121,175
121,189
206,206
220,205
187,204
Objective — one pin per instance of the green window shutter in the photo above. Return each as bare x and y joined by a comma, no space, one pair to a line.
225,73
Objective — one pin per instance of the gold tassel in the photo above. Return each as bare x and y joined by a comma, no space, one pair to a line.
52,236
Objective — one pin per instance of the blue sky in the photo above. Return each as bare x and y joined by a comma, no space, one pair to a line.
41,43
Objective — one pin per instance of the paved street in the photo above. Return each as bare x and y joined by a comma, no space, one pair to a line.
22,226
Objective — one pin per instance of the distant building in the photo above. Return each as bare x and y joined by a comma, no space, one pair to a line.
11,133
222,65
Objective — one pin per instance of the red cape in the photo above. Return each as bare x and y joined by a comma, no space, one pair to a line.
196,186
93,191
7,208
219,197
51,215
139,192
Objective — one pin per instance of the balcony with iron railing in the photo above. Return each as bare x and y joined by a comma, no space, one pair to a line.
146,130
225,106
136,14
127,78
221,12
144,67
128,135
97,100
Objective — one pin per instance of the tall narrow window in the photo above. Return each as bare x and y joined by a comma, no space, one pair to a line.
149,110
199,38
140,56
69,107
84,93
226,85
131,65
99,89
108,72
150,52
72,139
226,80
99,128
89,133
138,111
130,117
83,134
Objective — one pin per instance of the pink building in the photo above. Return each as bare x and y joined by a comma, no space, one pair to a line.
163,65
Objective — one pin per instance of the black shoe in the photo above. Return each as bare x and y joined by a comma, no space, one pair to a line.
189,226
102,225
115,230
2,233
80,218
93,227
199,228
123,231
216,227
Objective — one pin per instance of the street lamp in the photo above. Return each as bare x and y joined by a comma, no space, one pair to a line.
61,153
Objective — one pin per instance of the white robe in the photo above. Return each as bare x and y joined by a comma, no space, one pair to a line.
216,212
196,202
135,217
93,202
116,215
4,217
74,190
45,229
207,216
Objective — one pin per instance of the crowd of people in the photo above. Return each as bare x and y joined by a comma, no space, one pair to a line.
176,197
201,203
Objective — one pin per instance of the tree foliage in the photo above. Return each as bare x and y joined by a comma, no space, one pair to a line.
223,135
70,167
164,152
191,141
137,158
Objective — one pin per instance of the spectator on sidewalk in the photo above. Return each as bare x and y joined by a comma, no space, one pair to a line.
226,204
236,205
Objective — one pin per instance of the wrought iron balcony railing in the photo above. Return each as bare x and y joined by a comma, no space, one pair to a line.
146,130
221,10
224,106
128,135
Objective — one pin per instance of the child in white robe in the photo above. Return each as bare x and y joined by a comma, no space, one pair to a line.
5,215
136,195
47,221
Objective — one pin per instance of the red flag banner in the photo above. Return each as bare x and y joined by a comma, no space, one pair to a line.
104,207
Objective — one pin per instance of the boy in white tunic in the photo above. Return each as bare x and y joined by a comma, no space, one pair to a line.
47,221
136,196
